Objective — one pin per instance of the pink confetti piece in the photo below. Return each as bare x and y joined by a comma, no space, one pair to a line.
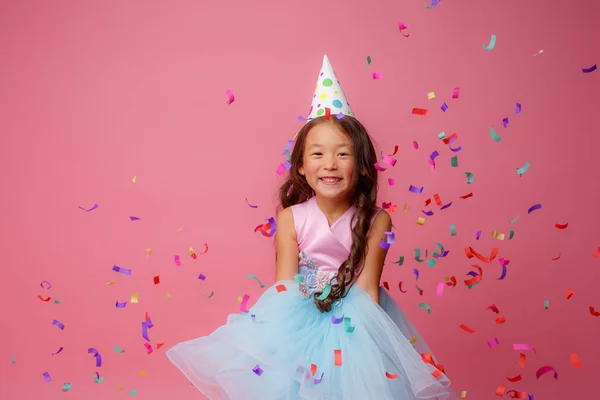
280,169
440,289
149,348
493,342
545,369
400,287
47,377
177,261
230,97
402,27
89,209
46,282
134,218
389,160
244,303
455,93
377,75
59,324
391,181
523,347
379,167
416,145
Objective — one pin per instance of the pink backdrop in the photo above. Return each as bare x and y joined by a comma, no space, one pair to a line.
95,93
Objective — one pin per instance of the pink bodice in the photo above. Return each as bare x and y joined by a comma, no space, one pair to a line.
322,248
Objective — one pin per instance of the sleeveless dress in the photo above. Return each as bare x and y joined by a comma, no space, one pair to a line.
285,348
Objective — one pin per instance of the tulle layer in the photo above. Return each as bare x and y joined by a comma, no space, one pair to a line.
285,348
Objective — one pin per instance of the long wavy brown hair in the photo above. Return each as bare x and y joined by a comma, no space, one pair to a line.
296,190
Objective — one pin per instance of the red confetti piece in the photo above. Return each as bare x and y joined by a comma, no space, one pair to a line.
156,280
596,253
470,253
327,113
494,308
545,369
386,286
556,258
575,360
569,294
391,376
313,369
395,151
594,312
206,245
561,226
466,328
500,320
516,395
420,111
44,299
281,288
337,357
522,359
514,379
500,390
475,279
466,196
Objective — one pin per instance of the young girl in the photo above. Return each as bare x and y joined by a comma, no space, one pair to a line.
326,329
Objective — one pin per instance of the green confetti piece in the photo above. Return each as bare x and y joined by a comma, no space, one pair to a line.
118,349
299,278
368,60
347,325
494,135
546,304
442,135
523,169
454,161
400,261
512,233
452,230
56,301
12,361
98,380
425,306
133,392
473,284
252,276
418,254
393,227
325,293
431,263
470,178
210,295
66,387
514,220
441,246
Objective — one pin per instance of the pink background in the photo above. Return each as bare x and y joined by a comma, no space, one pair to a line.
95,93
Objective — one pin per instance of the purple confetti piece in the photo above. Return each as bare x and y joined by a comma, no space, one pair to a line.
444,107
503,272
58,351
456,150
58,324
317,381
533,208
446,206
120,270
201,277
434,155
149,322
287,164
428,213
273,225
301,118
518,109
121,305
335,320
257,370
390,237
415,189
145,331
384,245
97,356
134,218
505,122
477,235
42,285
472,273
590,69
416,272
251,206
289,146
90,209
47,377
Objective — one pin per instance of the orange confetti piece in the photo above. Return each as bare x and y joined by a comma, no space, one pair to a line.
159,345
437,199
500,390
281,288
515,378
500,320
436,373
594,312
466,328
597,253
575,360
391,376
470,253
313,369
561,226
475,279
522,359
337,357
569,294
420,111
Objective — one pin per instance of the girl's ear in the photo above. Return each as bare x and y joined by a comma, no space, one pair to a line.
301,171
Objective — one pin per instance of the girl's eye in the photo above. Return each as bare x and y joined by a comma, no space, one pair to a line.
343,154
317,154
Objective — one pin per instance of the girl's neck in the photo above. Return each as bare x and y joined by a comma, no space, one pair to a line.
333,209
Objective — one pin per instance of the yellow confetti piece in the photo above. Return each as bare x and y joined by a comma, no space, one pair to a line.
413,340
111,283
406,208
239,299
496,235
191,251
134,179
538,53
142,373
135,297
120,387
430,95
463,394
148,251
179,229
420,221
168,295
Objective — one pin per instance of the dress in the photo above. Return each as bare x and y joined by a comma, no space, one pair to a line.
285,348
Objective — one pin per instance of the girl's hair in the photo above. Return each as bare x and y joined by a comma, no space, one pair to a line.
296,190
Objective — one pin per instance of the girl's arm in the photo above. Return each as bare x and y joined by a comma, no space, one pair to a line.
286,246
375,256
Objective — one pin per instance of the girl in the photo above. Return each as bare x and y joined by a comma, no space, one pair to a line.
326,329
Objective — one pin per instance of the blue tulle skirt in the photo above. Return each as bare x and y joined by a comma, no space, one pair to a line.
285,348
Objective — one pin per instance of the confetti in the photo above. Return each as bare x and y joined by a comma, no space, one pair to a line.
539,52
452,230
415,145
134,218
493,342
546,304
391,376
135,297
470,178
575,360
590,69
470,253
66,387
97,356
455,93
561,226
120,270
416,272
454,161
337,356
594,312
257,370
89,209
416,190
391,181
379,167
118,349
230,97
47,283
444,107
156,280
58,324
466,328
596,253
523,169
523,347
210,295
134,179
494,135
252,276
377,75
420,221
518,108
425,306
325,293
430,96
545,369
58,351
402,27
120,304
389,160
47,377
251,206
404,291
569,294
368,60
533,208
491,44
47,299
514,379
505,122
420,111
522,359
400,261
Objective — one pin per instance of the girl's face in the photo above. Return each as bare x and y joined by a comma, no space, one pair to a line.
328,162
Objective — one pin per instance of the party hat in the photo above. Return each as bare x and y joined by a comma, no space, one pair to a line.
328,95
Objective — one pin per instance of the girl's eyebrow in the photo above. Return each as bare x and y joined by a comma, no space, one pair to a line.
320,145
